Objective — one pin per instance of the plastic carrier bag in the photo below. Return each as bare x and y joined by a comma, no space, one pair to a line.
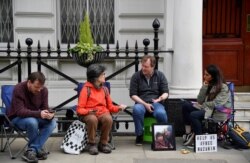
76,138
239,137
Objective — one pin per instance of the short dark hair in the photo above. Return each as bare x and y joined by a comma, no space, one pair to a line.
37,76
151,58
94,71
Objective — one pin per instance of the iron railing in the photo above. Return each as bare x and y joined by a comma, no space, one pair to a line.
19,54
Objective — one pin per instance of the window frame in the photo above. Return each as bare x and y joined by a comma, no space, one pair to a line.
58,26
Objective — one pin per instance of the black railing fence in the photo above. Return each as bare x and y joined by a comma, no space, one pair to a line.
41,56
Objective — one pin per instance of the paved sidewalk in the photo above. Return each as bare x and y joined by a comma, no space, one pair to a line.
126,152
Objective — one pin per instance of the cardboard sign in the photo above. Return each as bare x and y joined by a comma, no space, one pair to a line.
206,143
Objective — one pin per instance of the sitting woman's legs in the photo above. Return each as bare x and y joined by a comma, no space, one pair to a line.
196,118
106,125
187,108
91,123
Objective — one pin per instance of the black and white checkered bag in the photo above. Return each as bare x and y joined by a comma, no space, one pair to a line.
76,138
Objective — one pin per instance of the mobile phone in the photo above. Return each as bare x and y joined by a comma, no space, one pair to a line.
52,111
152,108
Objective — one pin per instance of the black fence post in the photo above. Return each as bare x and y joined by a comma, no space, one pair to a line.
136,57
156,26
19,65
39,56
146,42
29,42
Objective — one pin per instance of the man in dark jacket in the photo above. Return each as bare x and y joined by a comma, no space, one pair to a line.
30,112
148,88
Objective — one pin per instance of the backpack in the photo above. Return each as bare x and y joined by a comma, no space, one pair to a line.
239,137
106,91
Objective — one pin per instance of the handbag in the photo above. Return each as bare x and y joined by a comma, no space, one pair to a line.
76,138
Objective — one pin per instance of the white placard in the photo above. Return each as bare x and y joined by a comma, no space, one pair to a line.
206,143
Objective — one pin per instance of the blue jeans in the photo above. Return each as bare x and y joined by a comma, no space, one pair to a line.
193,116
38,130
139,112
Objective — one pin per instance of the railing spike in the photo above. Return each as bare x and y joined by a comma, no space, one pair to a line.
58,44
38,45
68,47
117,44
58,48
18,44
127,49
49,47
108,45
126,44
136,45
156,24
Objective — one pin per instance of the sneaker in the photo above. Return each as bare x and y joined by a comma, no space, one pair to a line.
139,140
92,149
184,137
30,156
191,145
104,148
42,155
189,139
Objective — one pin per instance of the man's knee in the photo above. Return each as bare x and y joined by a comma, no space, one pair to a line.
31,123
138,109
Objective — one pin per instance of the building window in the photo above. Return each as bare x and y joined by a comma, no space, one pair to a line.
101,14
6,21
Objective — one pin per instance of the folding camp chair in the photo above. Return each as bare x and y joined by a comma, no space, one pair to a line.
221,127
9,131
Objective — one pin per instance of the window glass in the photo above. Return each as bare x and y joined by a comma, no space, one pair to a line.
6,21
101,14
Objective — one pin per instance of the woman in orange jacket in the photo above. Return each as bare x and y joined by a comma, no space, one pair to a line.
94,108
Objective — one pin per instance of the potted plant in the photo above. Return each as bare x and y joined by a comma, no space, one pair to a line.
86,52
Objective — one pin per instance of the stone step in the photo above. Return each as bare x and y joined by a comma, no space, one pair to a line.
242,118
245,125
242,105
242,97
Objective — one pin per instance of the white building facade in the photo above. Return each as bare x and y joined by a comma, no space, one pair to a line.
180,31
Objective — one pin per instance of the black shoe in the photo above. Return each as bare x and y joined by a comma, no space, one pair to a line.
92,149
139,140
42,155
30,156
104,148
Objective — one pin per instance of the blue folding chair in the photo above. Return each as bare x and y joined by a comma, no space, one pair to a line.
8,130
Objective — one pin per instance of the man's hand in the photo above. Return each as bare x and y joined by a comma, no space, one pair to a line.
93,111
45,114
157,100
149,108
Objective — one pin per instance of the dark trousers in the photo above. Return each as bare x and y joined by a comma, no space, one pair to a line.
193,116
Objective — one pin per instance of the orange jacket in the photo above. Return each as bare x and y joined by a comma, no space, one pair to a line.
97,100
